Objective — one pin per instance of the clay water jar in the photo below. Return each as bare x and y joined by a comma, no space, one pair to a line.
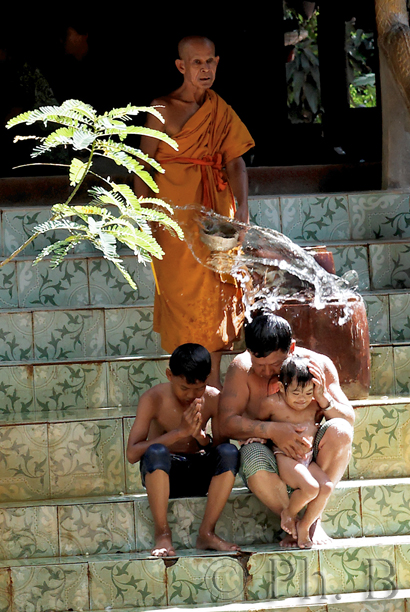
327,330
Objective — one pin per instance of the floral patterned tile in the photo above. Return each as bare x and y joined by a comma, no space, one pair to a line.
205,580
381,442
386,509
350,569
16,390
348,258
377,308
379,215
5,591
396,605
96,528
24,458
400,316
389,265
28,532
41,285
8,286
51,587
127,583
402,369
129,332
109,287
315,218
68,334
86,458
265,212
283,574
18,226
77,385
251,522
132,472
16,336
402,553
342,517
129,379
382,370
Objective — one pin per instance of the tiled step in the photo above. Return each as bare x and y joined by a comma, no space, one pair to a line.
101,582
75,453
108,381
317,218
123,523
50,334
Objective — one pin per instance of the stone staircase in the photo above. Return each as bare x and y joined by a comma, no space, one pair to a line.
77,350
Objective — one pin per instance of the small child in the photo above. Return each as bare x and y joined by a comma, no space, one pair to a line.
295,403
178,458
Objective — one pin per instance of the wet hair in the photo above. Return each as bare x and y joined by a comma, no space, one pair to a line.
268,333
192,361
295,367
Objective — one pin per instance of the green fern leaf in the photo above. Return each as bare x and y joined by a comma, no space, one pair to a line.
78,170
126,111
144,131
83,139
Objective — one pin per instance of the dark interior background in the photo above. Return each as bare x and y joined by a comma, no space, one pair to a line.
131,60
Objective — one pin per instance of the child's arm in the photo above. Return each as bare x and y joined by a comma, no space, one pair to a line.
327,391
137,440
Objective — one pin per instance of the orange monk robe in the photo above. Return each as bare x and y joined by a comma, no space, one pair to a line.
194,304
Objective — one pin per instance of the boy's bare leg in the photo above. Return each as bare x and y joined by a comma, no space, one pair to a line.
335,449
315,507
218,493
157,486
305,486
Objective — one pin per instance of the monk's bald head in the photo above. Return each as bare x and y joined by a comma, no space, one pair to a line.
188,43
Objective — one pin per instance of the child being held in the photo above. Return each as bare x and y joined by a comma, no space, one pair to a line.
295,403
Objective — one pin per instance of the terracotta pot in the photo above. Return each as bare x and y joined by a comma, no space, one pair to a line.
346,343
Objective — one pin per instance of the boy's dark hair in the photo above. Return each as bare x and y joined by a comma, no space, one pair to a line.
268,333
295,367
192,361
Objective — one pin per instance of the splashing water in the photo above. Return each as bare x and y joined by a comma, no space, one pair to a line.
269,267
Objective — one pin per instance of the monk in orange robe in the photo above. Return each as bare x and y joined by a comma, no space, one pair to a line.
194,303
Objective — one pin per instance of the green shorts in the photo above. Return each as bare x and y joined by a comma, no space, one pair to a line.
257,456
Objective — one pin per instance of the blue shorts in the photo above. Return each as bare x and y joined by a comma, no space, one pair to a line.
190,474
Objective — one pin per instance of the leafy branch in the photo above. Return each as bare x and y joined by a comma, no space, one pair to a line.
114,214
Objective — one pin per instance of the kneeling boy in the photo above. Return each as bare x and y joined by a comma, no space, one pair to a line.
178,459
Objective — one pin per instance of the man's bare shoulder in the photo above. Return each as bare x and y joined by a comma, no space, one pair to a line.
211,400
319,358
241,363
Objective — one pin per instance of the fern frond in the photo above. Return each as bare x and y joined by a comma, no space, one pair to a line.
126,111
59,224
62,136
122,159
111,145
77,172
144,131
59,249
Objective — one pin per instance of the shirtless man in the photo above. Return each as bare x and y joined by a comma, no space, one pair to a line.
178,459
251,377
193,304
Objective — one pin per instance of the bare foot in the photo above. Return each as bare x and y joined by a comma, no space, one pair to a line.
288,523
304,540
318,535
288,542
210,541
163,546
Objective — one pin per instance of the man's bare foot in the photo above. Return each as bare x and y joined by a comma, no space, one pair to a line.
288,542
288,523
163,546
318,535
304,540
210,541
